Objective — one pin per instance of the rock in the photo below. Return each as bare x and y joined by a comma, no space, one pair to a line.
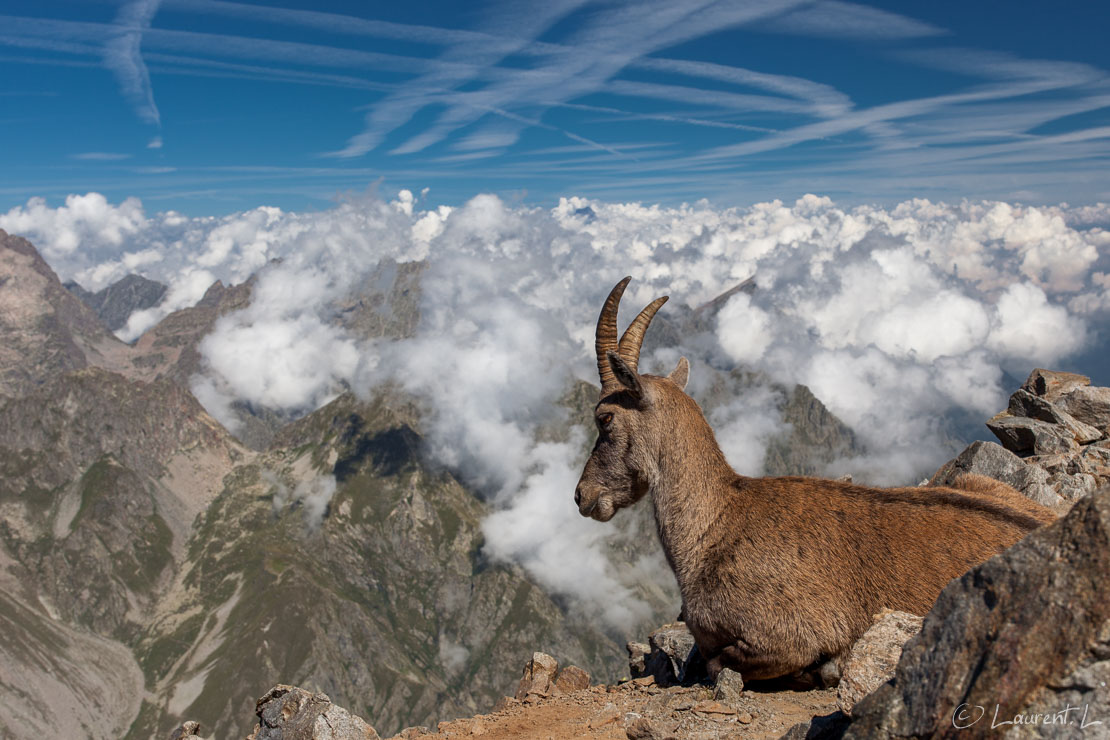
1089,405
729,687
829,673
291,713
572,678
673,657
505,703
646,729
827,727
713,708
1026,632
539,676
1031,436
186,730
994,461
637,653
1024,403
1095,459
1050,384
1072,487
872,660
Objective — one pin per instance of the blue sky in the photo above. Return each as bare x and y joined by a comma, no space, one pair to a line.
207,106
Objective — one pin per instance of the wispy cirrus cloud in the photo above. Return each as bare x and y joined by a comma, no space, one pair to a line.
101,156
836,19
123,55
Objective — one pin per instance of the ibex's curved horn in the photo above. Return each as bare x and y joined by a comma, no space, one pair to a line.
606,338
633,336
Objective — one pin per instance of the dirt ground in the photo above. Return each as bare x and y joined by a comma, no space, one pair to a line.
638,710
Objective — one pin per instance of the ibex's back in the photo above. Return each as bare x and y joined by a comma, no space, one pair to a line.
775,573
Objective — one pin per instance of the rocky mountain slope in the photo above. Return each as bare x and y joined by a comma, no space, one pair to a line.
115,304
156,568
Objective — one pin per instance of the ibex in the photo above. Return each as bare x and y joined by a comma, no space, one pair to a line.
776,574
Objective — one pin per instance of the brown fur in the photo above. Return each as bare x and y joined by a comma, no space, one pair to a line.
777,574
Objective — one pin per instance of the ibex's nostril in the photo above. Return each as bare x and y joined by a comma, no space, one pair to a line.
577,497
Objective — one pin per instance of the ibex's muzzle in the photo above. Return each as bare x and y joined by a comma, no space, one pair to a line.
585,509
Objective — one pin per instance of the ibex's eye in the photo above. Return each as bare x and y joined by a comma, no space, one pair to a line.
604,420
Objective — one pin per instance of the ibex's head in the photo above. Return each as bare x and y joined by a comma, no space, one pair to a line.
618,471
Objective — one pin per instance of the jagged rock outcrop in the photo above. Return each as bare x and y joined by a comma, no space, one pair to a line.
1022,636
1055,437
542,677
115,304
291,713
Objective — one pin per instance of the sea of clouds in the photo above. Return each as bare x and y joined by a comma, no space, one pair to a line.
898,319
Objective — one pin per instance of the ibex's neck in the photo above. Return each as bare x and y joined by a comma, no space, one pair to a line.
690,488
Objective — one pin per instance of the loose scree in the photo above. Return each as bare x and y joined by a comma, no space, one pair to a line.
776,574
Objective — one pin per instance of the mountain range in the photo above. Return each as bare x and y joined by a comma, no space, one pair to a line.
157,567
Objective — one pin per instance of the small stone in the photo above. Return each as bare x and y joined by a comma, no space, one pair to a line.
572,678
637,653
829,673
745,718
713,707
643,681
186,731
645,729
729,686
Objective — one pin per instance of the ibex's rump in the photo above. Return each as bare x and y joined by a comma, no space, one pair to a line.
776,574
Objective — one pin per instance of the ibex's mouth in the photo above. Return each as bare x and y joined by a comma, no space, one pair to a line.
601,509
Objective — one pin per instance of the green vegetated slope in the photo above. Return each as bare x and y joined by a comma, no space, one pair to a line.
386,601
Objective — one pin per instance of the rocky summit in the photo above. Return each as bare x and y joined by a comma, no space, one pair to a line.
1018,646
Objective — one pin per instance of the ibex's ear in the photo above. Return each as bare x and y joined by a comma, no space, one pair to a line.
626,376
681,373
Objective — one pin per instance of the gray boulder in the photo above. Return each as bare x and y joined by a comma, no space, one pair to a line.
994,461
1024,403
1026,436
291,713
1026,633
1089,405
875,655
1051,384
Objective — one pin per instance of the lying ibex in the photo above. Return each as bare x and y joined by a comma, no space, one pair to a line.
776,574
